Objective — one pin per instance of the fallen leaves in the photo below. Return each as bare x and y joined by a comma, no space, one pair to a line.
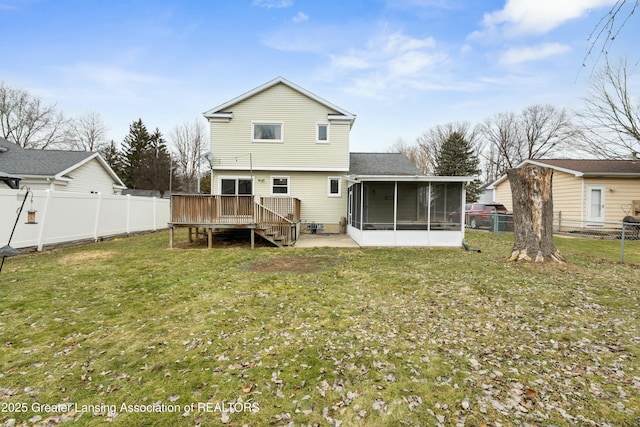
376,337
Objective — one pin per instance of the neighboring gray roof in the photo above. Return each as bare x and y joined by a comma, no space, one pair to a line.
56,164
392,164
17,160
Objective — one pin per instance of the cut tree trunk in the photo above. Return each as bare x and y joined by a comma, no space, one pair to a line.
532,215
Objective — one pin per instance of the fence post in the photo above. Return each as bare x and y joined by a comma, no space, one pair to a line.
622,244
559,220
128,214
44,220
97,221
155,226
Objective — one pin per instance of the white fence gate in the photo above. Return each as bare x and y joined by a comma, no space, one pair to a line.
67,217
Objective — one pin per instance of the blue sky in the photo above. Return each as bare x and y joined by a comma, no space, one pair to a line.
402,66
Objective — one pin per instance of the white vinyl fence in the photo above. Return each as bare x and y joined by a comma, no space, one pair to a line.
63,217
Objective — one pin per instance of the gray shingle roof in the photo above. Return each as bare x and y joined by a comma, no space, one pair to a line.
17,160
392,164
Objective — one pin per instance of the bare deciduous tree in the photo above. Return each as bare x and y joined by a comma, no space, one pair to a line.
610,26
27,121
502,135
413,152
430,142
190,143
87,132
539,131
611,117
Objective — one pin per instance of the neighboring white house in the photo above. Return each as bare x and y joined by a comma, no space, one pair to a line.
58,170
282,141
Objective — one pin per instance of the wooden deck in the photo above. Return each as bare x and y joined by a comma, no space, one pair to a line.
274,218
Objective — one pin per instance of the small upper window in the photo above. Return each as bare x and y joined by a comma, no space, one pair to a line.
335,187
322,134
267,132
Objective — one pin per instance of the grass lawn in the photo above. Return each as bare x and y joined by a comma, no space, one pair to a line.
130,332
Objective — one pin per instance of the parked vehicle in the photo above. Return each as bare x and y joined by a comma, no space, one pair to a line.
479,214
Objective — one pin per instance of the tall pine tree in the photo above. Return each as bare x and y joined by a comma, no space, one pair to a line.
133,147
113,157
155,165
457,157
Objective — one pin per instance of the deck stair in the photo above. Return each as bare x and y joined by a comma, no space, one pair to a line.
276,219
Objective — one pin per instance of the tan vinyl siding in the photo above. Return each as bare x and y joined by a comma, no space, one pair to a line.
503,195
570,196
618,195
310,187
566,190
567,195
232,146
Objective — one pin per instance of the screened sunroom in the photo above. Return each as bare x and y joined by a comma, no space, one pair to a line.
406,210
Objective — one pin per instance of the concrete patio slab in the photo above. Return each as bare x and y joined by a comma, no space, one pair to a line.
325,240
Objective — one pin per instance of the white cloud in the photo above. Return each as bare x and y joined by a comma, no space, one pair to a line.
539,16
273,4
388,64
300,17
518,55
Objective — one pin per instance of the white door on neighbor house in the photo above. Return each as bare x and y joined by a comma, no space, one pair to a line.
595,204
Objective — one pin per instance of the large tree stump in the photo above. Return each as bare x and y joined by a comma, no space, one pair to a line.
532,214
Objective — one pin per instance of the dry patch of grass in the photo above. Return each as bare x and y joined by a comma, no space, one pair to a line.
86,257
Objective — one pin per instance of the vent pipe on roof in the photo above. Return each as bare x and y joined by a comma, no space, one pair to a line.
634,156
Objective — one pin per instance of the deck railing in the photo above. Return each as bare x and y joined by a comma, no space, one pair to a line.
205,209
288,207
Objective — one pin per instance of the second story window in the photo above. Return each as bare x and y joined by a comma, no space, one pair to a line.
322,133
266,132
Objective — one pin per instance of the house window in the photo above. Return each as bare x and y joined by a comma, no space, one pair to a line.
335,187
280,185
322,133
266,132
235,186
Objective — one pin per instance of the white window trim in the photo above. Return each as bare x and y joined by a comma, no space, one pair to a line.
280,177
267,122
339,193
591,220
318,140
236,178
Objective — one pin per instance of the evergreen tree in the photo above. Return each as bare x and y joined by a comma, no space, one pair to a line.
457,157
113,157
133,147
155,165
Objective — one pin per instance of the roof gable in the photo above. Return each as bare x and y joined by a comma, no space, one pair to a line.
221,111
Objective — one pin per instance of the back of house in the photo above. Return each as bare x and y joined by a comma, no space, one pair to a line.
282,141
